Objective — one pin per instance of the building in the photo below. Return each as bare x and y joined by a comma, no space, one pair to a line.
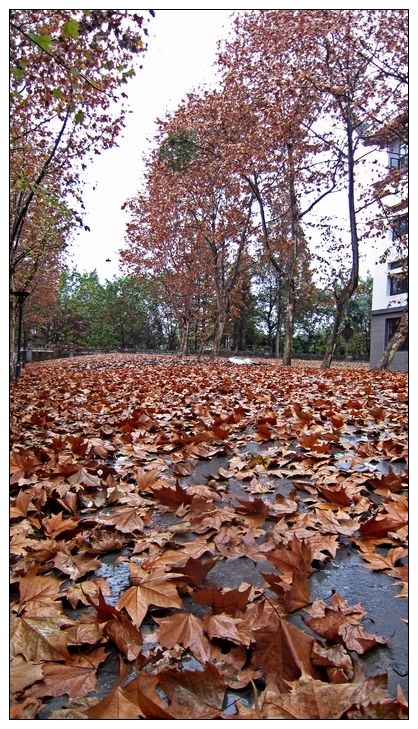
390,278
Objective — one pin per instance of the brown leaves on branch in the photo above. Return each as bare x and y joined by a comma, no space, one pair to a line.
172,524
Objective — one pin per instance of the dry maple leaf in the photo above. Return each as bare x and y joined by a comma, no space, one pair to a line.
339,624
38,590
388,481
309,698
157,591
75,709
293,596
194,694
77,677
299,555
116,705
255,511
77,593
245,546
228,628
142,692
127,520
381,562
228,601
75,565
22,504
283,651
186,630
335,494
56,524
38,636
337,662
125,635
172,497
23,673
27,709
194,571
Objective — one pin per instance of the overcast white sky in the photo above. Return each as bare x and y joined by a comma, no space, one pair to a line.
181,52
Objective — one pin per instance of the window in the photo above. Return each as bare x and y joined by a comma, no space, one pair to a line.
398,284
403,155
395,264
400,227
399,159
391,327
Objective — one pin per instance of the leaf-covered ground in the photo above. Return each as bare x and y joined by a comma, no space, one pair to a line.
142,484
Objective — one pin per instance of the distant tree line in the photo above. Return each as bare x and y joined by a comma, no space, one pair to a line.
132,314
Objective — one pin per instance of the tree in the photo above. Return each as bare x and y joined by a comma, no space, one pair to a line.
272,107
303,86
357,96
198,214
67,73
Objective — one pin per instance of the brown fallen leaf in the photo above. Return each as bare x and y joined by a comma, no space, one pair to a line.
75,565
38,590
282,650
125,636
339,624
309,698
194,694
228,628
141,692
116,705
126,519
293,596
38,635
77,677
188,631
23,673
255,511
172,497
194,571
157,590
298,556
56,524
27,709
228,601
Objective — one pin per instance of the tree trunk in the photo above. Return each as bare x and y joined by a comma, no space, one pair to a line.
12,330
339,312
352,284
220,325
290,324
294,232
185,339
394,343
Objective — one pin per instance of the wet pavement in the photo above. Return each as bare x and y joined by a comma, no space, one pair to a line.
376,591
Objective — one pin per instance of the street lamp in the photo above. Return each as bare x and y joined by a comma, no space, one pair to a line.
21,298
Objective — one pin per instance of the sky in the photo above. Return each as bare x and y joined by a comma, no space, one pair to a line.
180,56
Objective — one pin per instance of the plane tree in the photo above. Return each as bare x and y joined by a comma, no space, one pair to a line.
67,74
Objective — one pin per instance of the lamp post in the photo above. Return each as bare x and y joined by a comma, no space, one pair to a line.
21,298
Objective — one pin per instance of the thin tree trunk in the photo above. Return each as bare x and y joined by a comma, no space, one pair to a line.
294,232
185,339
352,284
12,329
394,343
290,324
220,325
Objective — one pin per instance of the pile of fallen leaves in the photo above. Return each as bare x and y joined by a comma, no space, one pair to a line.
103,452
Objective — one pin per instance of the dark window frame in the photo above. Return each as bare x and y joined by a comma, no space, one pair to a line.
391,324
398,284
